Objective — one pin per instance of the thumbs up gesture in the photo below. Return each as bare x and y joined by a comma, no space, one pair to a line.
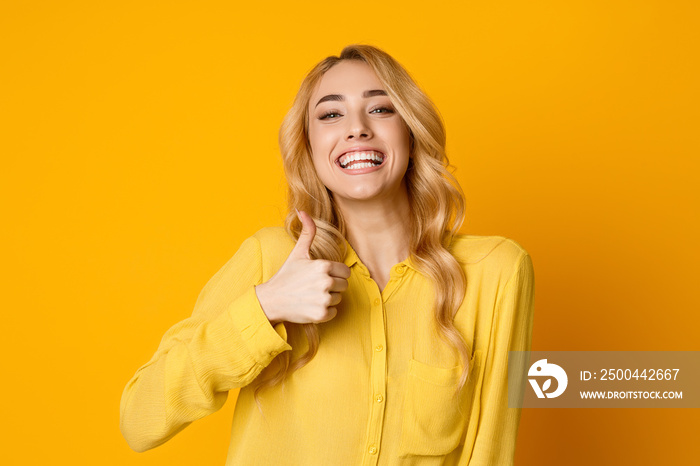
304,290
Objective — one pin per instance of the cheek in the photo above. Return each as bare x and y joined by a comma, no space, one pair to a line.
319,141
319,164
319,158
401,136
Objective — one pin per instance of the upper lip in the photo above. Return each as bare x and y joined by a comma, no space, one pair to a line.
359,149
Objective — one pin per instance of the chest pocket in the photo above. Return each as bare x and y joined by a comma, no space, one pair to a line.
434,415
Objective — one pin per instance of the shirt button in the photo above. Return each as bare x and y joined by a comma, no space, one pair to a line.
378,348
379,398
372,450
400,269
376,302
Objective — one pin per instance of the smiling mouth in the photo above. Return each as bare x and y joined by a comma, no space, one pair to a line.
361,159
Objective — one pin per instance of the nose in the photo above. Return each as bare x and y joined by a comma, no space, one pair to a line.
357,128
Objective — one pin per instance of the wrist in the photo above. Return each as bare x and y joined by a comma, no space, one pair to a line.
263,300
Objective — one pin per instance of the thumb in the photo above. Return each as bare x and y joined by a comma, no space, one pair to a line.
306,237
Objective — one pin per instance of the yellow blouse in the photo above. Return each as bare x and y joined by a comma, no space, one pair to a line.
379,390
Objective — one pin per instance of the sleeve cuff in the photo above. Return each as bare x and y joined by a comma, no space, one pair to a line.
262,340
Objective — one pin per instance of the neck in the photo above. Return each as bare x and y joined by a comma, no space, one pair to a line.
379,230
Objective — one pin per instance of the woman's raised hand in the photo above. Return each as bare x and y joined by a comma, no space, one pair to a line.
304,290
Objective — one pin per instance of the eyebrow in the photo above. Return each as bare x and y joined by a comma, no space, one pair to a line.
340,97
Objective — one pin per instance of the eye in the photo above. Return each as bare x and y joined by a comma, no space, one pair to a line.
384,110
328,115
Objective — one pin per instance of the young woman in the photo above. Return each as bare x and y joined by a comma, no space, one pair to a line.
366,331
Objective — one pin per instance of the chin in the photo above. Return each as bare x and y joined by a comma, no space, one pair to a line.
360,196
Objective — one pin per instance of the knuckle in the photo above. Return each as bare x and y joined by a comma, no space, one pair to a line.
336,298
321,314
327,300
327,267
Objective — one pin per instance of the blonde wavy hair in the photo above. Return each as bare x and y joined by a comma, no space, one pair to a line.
435,197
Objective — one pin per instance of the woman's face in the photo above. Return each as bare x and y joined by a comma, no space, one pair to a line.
359,143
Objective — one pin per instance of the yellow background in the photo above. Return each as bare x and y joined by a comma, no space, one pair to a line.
139,148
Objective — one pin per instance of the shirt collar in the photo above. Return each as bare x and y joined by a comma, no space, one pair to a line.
351,258
350,255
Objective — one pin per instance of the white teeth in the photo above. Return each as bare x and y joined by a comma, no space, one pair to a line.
357,166
374,156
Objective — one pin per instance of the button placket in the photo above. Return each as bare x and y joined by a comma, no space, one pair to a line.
377,373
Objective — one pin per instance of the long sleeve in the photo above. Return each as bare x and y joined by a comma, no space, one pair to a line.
498,425
225,344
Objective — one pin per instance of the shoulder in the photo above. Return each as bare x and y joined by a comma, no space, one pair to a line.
497,256
274,244
470,249
266,244
272,238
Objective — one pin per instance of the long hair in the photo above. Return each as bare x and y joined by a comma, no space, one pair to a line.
435,197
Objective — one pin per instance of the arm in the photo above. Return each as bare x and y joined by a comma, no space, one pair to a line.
225,344
498,425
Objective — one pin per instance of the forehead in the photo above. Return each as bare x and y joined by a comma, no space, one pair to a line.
349,78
